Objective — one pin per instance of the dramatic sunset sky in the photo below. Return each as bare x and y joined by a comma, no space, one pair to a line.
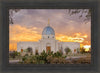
29,24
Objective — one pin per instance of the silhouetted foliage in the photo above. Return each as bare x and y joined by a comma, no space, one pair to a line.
29,49
11,13
67,50
70,11
82,50
60,51
36,52
81,12
14,54
43,58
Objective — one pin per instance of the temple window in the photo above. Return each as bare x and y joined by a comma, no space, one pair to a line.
74,50
21,50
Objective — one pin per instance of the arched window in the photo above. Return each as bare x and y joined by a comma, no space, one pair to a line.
48,47
21,50
74,50
29,49
36,52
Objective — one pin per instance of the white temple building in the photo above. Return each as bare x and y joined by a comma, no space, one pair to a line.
48,43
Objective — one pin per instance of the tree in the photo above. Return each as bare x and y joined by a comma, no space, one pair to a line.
13,54
70,11
67,50
82,50
81,12
29,49
60,50
11,14
78,50
36,52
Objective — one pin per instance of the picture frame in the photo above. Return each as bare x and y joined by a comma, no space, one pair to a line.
6,5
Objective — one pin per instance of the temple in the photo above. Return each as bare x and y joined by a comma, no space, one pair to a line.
48,43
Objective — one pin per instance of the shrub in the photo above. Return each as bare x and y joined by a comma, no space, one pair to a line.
54,61
51,53
82,50
13,54
49,59
42,62
67,50
24,58
62,60
36,52
29,49
78,50
28,61
60,51
57,54
45,58
26,55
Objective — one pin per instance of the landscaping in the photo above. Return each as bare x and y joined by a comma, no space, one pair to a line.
51,58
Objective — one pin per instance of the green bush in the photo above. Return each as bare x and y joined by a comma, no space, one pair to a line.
14,54
24,58
44,58
57,54
67,50
49,59
26,55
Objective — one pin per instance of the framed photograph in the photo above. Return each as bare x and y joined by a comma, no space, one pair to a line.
49,36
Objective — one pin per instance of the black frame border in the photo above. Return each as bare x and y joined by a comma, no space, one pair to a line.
49,5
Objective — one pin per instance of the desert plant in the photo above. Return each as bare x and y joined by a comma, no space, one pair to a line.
60,51
36,52
82,50
67,50
26,55
78,50
24,58
57,54
49,59
54,61
51,53
29,49
13,54
45,58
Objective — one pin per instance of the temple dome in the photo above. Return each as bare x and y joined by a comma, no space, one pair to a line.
48,31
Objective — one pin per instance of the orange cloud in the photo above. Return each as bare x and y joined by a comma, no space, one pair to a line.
76,37
20,33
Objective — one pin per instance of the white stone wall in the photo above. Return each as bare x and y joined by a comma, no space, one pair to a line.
70,45
48,36
41,45
25,45
50,41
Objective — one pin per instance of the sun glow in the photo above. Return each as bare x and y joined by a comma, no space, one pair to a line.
19,33
87,47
